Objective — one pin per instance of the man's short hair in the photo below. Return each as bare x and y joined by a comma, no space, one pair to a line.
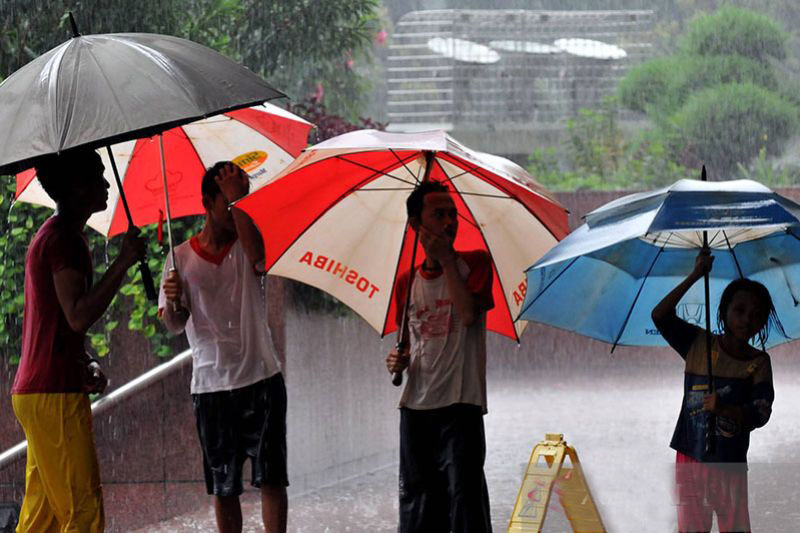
57,172
208,186
416,200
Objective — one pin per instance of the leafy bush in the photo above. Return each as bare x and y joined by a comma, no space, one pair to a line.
646,84
663,85
601,158
729,124
735,31
763,171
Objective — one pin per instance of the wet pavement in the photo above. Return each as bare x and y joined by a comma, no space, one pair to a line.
620,429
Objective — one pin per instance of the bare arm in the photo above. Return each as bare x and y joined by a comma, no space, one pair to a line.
174,314
666,307
83,306
234,184
249,236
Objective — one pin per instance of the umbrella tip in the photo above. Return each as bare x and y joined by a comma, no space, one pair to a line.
703,176
73,25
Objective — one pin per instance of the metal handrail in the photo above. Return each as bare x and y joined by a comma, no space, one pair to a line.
114,397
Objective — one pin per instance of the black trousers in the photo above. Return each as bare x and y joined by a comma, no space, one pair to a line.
442,484
249,422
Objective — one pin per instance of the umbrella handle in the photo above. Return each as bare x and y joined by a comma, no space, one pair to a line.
711,438
147,281
397,377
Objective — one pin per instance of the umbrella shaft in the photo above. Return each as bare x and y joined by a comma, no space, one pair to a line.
166,200
397,379
708,318
119,186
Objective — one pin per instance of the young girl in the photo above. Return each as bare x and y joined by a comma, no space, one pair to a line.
716,480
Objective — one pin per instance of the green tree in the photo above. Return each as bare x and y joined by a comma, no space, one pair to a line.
719,100
295,44
729,124
288,41
736,31
600,156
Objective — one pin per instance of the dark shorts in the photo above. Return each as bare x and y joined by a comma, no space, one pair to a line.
241,423
442,485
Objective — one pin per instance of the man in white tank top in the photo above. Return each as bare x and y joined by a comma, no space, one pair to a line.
442,442
216,294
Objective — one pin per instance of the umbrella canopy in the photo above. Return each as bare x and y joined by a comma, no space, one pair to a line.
262,139
96,90
604,279
336,218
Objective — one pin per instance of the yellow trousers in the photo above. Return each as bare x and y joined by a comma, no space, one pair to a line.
62,479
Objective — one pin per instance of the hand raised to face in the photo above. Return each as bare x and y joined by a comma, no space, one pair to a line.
233,182
437,247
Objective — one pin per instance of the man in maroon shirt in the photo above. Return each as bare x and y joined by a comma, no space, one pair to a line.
62,482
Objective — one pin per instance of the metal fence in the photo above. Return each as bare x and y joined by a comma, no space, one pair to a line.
456,67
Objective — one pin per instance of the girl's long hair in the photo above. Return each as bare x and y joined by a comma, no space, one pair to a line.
762,295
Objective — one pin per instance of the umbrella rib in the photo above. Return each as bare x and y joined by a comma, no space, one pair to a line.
117,200
488,249
71,104
681,238
486,195
711,240
467,171
522,312
783,272
478,171
113,94
376,171
404,164
636,299
378,189
735,260
328,208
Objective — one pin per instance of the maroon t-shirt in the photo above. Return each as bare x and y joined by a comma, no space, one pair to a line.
53,356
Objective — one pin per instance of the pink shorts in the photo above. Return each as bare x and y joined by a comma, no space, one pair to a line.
704,489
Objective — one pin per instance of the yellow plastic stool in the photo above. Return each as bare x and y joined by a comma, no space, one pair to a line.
546,473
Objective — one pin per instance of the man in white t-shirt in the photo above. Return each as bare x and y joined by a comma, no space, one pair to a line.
216,294
442,442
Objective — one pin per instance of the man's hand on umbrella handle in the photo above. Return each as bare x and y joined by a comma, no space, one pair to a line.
173,288
96,381
702,263
133,247
233,182
397,361
711,403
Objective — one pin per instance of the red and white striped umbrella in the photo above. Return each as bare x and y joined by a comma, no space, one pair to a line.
336,218
262,139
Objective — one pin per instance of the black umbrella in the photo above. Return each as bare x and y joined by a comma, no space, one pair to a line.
96,90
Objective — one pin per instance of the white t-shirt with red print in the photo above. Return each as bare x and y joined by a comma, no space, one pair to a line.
448,359
227,329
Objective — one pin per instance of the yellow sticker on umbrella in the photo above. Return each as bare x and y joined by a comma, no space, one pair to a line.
251,160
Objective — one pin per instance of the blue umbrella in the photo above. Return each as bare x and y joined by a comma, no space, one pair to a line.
604,279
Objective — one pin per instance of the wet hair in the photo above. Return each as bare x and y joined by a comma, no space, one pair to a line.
416,200
208,187
764,299
58,173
